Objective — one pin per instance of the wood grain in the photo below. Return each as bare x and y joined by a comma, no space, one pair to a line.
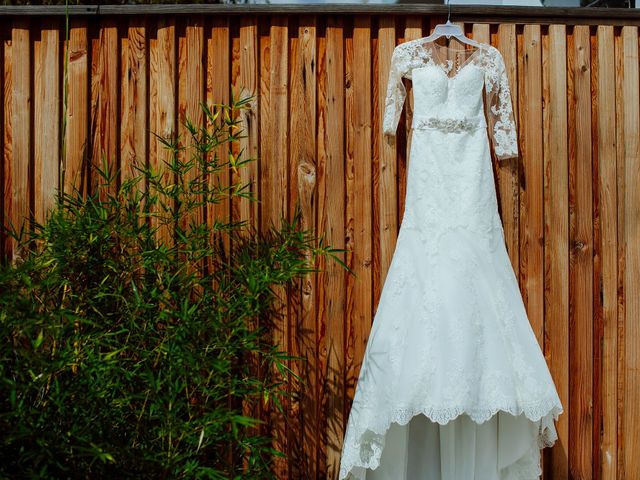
165,110
531,179
190,94
505,39
104,108
6,242
46,120
387,167
580,254
557,236
19,133
133,103
630,270
76,154
332,278
302,178
248,87
358,207
217,92
277,138
607,248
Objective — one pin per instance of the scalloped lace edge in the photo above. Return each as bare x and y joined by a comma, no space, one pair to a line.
544,412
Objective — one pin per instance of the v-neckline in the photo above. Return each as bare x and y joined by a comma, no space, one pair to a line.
439,63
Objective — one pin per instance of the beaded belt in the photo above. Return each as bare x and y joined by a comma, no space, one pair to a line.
466,124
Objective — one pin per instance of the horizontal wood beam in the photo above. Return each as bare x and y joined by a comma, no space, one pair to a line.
462,13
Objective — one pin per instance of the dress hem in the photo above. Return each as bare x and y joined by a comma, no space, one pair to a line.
544,412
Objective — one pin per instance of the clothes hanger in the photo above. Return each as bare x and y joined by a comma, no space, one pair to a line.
449,30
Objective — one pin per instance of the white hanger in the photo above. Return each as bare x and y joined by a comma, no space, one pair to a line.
450,30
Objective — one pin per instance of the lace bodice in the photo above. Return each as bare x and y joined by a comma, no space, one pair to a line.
449,104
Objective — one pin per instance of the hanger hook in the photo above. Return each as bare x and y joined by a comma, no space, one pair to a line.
449,13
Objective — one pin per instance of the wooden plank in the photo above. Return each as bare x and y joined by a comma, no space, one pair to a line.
580,254
375,165
507,171
556,325
358,208
46,120
104,101
276,170
190,94
217,92
630,241
19,131
5,162
620,143
236,88
249,58
607,247
531,176
302,178
412,31
152,143
164,124
332,276
76,135
133,104
466,13
321,298
619,54
598,433
387,170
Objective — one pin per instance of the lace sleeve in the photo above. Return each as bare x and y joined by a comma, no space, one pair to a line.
500,118
396,93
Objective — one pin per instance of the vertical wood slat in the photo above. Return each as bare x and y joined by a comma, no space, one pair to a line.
302,183
619,55
6,250
331,205
323,433
531,173
507,171
580,255
104,103
248,175
630,240
358,171
190,89
556,236
236,92
21,109
74,175
217,92
164,116
388,174
20,130
46,119
133,105
412,31
275,162
607,248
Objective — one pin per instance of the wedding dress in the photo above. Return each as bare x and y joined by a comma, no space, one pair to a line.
453,383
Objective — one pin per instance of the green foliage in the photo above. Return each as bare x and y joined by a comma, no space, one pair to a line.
132,338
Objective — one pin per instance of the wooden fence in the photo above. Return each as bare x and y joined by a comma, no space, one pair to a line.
570,204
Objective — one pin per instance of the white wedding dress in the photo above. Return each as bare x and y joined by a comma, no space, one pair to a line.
453,383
